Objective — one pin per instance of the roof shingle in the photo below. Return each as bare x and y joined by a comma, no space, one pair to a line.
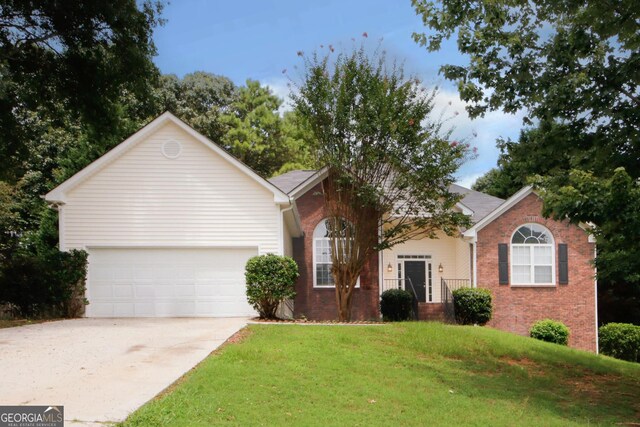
480,203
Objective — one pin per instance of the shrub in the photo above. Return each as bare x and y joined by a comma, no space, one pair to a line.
396,305
270,280
49,284
620,340
550,331
472,306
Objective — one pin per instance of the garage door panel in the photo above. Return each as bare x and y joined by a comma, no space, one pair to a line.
102,290
143,309
144,291
101,309
121,309
122,291
187,290
175,308
162,282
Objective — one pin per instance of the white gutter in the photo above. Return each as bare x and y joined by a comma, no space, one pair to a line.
475,263
282,225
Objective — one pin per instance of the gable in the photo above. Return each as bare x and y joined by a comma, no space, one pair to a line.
58,195
145,197
168,163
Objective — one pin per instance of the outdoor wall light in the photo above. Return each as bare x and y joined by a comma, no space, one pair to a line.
440,268
389,268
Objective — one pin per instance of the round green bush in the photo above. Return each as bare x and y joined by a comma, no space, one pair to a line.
270,280
620,340
396,305
550,331
472,306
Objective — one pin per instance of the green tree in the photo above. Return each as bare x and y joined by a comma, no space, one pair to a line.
79,54
299,140
256,133
534,153
494,182
573,67
199,98
388,165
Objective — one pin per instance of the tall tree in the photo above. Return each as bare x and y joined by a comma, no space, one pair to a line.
573,67
199,98
80,54
534,153
245,120
256,133
389,166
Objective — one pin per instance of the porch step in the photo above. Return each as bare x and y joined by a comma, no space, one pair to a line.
431,311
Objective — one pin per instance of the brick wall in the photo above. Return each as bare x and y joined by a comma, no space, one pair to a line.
517,308
317,303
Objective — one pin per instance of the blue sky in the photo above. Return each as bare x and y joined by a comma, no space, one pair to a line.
258,39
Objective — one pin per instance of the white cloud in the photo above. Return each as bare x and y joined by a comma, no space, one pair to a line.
280,87
481,133
468,180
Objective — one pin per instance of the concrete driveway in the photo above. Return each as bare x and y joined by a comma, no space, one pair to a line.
103,369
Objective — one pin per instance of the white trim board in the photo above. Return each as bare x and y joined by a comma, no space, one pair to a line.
508,204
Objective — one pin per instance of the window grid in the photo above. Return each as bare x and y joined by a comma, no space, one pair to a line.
532,256
322,262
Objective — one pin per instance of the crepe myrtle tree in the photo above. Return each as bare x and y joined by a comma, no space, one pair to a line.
389,165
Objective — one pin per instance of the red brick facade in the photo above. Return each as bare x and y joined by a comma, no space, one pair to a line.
517,308
320,303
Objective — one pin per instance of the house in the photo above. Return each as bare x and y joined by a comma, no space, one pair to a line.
535,268
169,219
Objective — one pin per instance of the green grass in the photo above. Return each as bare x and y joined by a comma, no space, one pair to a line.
397,374
12,323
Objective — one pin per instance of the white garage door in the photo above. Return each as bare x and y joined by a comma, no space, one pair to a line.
167,282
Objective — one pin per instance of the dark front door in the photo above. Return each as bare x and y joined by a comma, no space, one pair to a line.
415,271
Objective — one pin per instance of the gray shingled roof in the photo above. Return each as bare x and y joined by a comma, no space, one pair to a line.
290,180
481,204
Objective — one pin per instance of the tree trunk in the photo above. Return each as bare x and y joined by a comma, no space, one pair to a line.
344,296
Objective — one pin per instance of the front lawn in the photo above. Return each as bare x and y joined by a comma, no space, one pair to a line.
397,374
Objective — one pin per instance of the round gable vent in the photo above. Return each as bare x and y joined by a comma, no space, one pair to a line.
171,149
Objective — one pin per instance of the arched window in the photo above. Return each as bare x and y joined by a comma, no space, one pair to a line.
322,263
532,256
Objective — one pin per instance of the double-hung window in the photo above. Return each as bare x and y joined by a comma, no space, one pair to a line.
532,256
322,260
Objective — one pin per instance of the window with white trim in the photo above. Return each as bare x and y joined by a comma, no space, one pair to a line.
322,277
532,256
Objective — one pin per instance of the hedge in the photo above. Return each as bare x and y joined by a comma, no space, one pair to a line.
620,340
396,305
472,306
550,331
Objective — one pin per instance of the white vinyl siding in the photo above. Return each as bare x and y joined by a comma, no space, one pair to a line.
144,198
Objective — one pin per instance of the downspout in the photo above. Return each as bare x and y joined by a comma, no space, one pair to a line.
475,262
380,263
595,281
282,211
